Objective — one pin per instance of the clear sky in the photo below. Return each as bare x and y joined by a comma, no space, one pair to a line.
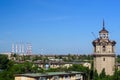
57,26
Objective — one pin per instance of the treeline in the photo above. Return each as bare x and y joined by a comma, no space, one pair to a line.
9,68
66,58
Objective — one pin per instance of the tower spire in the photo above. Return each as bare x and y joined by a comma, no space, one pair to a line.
103,24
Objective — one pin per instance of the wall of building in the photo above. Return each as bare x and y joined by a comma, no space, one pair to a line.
24,78
104,62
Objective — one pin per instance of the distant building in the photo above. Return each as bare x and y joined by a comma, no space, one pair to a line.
118,66
7,54
104,53
52,76
55,64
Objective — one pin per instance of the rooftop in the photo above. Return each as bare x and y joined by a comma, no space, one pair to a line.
48,74
103,30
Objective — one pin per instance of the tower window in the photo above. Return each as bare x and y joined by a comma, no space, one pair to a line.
103,48
104,36
103,59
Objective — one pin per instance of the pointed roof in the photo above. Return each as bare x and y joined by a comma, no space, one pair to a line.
103,29
103,23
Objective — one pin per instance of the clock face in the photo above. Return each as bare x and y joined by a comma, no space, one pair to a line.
103,36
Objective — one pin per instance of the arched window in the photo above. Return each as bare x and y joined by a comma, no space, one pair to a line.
104,48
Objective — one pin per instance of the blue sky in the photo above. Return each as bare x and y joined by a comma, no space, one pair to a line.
57,26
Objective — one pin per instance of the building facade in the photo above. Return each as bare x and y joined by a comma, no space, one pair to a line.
104,53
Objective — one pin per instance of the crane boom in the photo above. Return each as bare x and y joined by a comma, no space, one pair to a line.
93,35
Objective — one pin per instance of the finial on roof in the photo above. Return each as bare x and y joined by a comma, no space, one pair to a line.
103,25
103,29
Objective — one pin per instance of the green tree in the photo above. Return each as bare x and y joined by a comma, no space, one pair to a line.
116,75
5,63
81,68
102,74
95,76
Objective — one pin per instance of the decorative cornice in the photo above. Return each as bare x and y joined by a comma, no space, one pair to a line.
107,55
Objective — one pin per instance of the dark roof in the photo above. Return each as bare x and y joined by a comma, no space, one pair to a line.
103,30
98,40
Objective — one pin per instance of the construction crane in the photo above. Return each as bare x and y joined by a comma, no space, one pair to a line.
93,35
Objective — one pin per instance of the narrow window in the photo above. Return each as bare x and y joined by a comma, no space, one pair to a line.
103,59
103,48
